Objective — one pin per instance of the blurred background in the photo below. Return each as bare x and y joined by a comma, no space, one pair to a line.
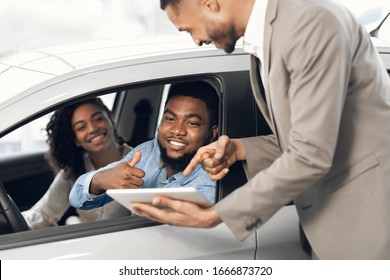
31,24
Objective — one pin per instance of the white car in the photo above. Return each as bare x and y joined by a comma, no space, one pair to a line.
33,84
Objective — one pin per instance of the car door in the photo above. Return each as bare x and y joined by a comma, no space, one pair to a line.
26,177
151,240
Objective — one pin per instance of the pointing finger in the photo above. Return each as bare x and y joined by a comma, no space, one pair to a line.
197,159
221,145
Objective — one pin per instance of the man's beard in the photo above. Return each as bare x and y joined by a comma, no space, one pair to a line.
177,164
228,38
180,163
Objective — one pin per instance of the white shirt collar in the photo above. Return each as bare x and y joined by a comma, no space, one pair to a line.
254,32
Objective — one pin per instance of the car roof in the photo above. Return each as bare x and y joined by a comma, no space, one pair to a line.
24,70
24,74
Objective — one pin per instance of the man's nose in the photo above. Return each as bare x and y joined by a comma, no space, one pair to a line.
197,41
179,129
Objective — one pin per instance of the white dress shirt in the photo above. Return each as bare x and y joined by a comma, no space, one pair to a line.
254,33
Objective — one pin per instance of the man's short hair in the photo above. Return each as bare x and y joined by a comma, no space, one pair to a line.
201,90
165,3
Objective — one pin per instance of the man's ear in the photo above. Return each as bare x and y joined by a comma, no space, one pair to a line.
214,133
211,5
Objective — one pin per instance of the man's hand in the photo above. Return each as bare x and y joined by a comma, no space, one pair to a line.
123,176
217,157
179,213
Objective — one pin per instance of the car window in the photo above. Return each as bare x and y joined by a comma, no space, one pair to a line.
137,111
32,136
28,138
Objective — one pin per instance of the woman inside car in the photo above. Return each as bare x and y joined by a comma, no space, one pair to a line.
81,137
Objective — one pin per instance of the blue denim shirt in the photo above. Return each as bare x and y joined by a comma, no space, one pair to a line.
155,177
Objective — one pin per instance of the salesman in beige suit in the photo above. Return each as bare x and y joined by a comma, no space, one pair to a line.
326,98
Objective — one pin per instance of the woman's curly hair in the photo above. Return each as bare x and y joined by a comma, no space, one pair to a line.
63,152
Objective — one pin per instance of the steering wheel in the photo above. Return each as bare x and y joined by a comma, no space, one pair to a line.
11,212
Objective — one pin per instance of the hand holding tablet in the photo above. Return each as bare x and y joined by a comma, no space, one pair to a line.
146,195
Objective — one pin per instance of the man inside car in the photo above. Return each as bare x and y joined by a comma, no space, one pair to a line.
190,120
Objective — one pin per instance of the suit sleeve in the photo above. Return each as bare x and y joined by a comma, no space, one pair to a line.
266,146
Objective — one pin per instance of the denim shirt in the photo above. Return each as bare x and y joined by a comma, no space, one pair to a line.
155,177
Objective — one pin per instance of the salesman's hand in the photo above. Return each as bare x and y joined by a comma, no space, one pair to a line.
217,157
123,176
179,213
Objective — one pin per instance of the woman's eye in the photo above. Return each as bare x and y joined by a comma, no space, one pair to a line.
99,119
80,128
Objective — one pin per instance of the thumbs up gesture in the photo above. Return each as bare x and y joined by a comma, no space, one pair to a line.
123,176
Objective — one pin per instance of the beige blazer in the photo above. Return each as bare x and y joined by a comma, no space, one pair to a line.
327,101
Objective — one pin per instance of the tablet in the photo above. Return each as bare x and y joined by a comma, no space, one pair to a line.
146,195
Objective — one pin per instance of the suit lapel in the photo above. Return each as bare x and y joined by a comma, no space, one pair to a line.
261,89
270,15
